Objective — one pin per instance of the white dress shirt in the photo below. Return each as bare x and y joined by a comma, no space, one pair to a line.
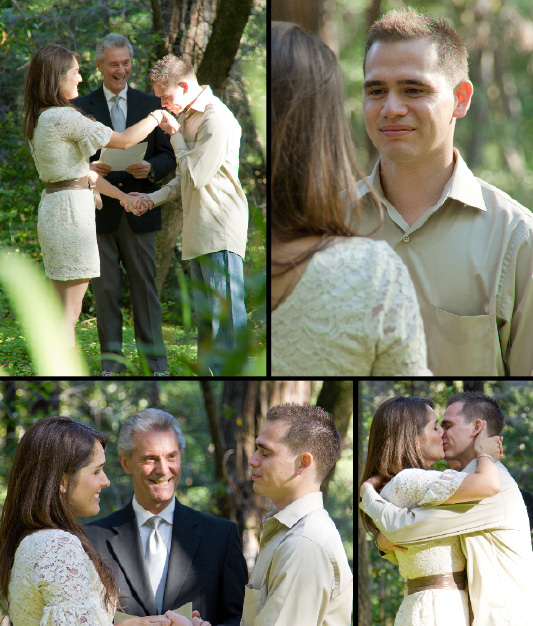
495,539
165,527
123,102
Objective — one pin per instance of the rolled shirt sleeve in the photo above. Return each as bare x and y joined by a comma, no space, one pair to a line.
169,191
404,526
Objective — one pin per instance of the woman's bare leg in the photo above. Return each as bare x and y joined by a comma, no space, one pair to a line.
71,293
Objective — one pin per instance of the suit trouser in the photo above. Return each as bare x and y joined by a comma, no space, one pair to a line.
218,292
136,253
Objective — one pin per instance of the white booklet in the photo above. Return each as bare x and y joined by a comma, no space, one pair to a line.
121,159
185,611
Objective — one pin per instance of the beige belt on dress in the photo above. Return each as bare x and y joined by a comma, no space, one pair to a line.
76,183
455,580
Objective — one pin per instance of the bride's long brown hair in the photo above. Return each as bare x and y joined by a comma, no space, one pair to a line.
51,447
47,66
394,441
314,169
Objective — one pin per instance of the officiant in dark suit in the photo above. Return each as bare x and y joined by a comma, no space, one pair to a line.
165,554
123,241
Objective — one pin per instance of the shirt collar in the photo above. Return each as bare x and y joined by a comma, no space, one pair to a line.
202,100
109,94
471,467
143,515
294,512
462,186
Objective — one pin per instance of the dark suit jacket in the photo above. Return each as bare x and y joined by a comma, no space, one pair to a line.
206,565
159,153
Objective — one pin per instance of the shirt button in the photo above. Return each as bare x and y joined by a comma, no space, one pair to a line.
120,185
406,239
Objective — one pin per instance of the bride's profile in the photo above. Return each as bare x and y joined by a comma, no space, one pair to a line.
405,440
50,573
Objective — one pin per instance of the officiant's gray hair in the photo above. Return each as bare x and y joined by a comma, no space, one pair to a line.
144,422
113,40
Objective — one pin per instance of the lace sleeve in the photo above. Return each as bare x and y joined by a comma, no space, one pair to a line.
402,346
90,135
413,488
408,487
63,579
442,488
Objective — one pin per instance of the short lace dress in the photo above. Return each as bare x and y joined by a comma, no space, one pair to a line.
354,312
432,607
62,143
54,583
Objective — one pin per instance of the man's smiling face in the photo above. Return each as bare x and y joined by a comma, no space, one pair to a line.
116,68
408,102
155,468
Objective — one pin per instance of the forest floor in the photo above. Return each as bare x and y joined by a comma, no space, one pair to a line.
181,348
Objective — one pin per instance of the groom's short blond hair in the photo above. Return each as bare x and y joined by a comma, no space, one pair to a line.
170,71
478,405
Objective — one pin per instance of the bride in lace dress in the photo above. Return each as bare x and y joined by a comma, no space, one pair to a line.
50,574
342,304
405,440
61,140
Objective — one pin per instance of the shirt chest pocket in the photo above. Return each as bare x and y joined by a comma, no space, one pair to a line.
254,601
461,345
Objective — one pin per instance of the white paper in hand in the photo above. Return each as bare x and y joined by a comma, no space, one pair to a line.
185,611
121,159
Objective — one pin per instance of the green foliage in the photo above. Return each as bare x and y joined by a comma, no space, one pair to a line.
339,502
516,401
47,339
20,190
77,24
105,404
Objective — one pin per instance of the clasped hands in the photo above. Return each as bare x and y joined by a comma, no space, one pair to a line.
142,202
168,619
178,620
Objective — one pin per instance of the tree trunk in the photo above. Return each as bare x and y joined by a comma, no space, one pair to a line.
336,397
474,385
234,427
307,13
282,391
216,434
223,44
363,559
187,27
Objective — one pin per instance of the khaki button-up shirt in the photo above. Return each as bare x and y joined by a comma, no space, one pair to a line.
495,539
471,260
215,211
302,576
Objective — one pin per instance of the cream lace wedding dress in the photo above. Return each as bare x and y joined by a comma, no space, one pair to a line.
432,607
353,312
62,143
54,583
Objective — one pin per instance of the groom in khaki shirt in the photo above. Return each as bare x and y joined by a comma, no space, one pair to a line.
494,532
467,245
301,576
206,141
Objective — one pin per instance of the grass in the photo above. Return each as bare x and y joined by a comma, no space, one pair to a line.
180,346
15,361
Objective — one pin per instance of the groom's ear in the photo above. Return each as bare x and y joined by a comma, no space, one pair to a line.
478,425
